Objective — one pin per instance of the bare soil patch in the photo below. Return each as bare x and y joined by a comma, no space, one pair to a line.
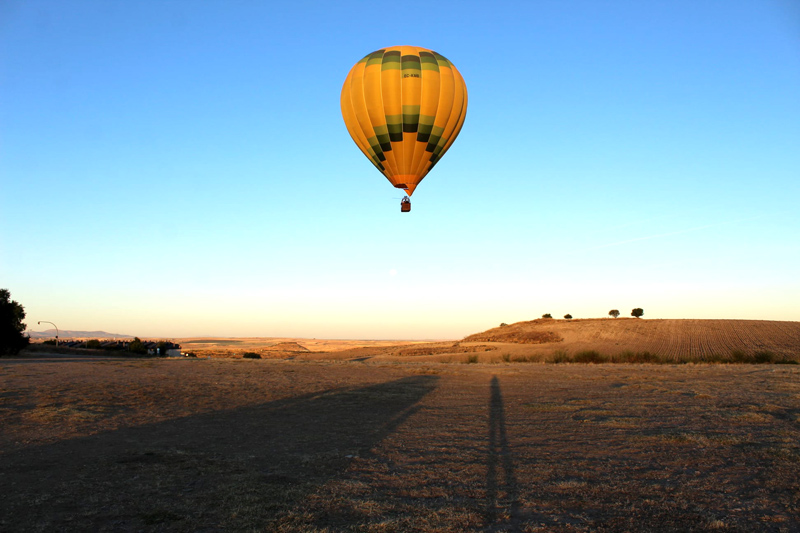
277,445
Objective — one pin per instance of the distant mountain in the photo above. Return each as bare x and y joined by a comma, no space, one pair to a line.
70,334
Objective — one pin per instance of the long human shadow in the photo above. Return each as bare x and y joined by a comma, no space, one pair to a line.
244,468
502,493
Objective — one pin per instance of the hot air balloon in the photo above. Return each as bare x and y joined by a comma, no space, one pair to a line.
404,106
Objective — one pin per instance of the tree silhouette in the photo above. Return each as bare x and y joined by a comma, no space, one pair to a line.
638,312
614,313
568,316
547,315
137,346
12,338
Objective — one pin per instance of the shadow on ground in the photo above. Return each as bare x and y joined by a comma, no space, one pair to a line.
501,483
239,469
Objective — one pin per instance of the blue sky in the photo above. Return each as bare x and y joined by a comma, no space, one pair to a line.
181,168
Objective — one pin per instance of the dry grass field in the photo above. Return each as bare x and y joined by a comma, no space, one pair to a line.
276,347
548,340
542,340
114,444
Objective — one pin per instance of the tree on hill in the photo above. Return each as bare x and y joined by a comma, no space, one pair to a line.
638,312
12,338
547,315
614,313
568,316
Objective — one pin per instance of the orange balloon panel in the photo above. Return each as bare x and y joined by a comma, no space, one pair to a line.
404,107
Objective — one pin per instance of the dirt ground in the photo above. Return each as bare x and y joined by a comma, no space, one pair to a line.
104,444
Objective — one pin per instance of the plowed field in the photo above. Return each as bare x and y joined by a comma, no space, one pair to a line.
696,339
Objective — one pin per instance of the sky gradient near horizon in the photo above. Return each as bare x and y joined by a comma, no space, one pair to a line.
172,169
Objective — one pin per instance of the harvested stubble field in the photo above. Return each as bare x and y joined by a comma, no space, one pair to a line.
279,347
277,445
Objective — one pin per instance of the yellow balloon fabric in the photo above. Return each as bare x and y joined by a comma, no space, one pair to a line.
404,106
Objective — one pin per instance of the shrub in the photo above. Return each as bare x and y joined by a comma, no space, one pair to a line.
738,356
507,357
624,357
472,359
503,324
568,316
251,355
547,315
647,357
637,357
92,344
764,357
590,356
560,356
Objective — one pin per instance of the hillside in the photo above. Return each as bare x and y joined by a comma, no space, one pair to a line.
668,337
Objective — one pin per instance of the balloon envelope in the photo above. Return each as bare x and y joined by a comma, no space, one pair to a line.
404,106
